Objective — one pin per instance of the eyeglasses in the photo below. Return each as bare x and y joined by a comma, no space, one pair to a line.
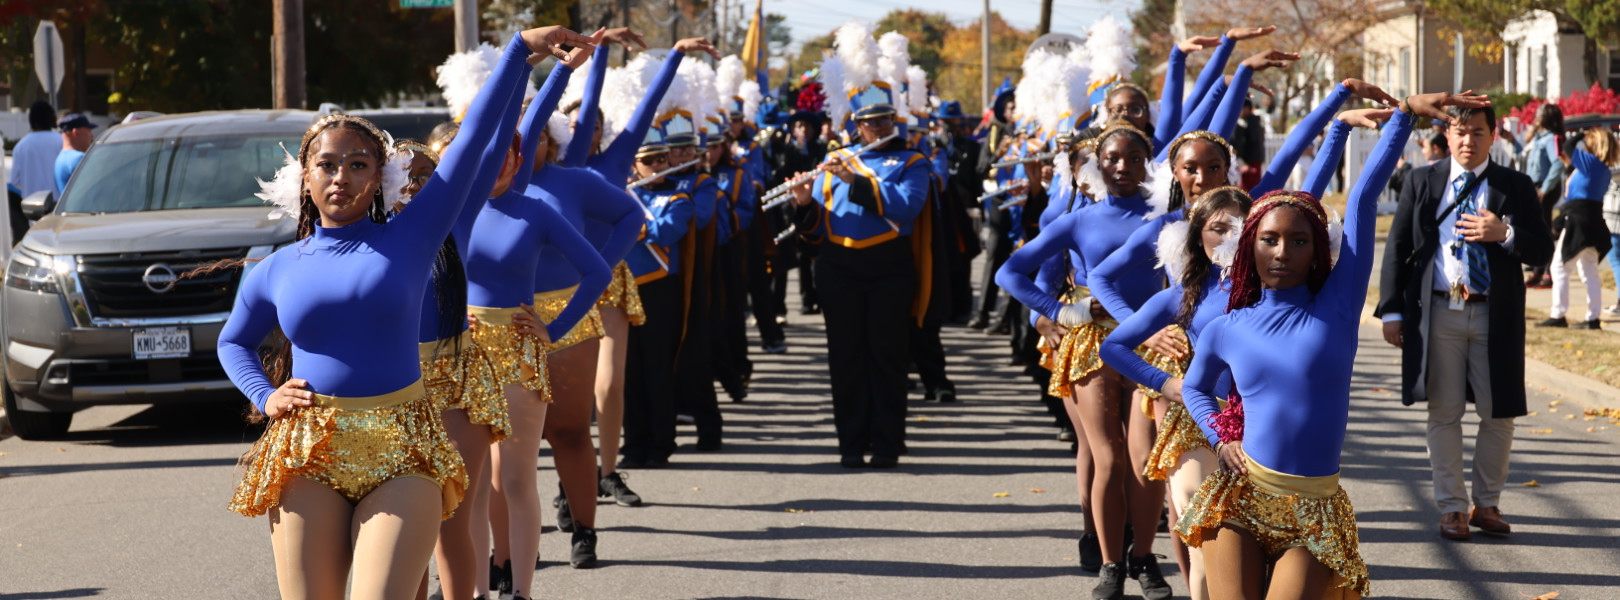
1134,110
657,159
420,180
878,121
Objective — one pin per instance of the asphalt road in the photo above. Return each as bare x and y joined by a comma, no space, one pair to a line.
132,503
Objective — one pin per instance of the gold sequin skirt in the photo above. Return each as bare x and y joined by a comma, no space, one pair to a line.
518,358
624,293
1178,434
1076,356
550,304
465,380
352,445
1282,511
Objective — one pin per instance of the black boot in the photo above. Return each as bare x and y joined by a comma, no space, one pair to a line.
1145,570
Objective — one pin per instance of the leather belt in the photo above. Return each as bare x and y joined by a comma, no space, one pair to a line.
1471,299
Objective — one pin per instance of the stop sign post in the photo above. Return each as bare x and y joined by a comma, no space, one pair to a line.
48,58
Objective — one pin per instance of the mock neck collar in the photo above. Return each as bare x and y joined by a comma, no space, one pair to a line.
1299,295
347,233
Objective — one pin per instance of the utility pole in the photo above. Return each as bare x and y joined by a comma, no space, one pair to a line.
984,56
624,21
674,21
1046,18
287,50
466,25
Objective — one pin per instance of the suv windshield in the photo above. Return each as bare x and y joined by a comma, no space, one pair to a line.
175,173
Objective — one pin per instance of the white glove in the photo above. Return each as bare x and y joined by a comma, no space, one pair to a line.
1073,315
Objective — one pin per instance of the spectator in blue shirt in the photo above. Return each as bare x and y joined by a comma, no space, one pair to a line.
76,137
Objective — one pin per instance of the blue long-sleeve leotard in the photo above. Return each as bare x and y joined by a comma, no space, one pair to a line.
1327,158
1136,258
1200,117
1175,78
341,294
508,239
1094,232
615,161
1119,349
1296,402
1210,75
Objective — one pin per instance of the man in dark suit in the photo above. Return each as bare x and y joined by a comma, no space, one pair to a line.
1452,300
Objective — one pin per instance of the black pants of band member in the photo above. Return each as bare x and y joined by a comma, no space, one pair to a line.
866,301
998,247
730,340
694,364
649,394
761,285
928,354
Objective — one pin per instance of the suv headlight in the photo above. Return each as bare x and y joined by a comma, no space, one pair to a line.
32,271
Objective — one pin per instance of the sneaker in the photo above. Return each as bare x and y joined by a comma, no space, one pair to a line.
1110,582
1553,322
1065,434
1613,311
947,395
614,485
1592,324
776,347
1145,570
1090,553
583,555
565,517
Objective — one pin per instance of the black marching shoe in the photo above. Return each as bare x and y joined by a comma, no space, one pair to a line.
565,517
1553,322
1592,324
500,577
978,322
583,555
1145,570
613,485
1090,553
1110,582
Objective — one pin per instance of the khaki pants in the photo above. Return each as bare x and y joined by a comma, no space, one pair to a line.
1457,355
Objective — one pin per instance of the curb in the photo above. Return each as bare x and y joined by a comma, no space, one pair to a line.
1574,387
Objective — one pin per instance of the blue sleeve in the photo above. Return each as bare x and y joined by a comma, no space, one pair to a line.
1584,163
1224,123
1325,164
594,273
1138,255
902,201
252,318
1211,73
1204,377
438,205
1175,78
705,200
489,170
1199,117
1013,275
579,148
610,205
615,161
1304,132
667,225
535,121
1049,280
1346,285
1119,349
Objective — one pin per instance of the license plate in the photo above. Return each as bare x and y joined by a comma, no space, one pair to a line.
163,342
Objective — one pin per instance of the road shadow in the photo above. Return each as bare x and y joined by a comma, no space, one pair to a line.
27,470
174,425
873,568
68,593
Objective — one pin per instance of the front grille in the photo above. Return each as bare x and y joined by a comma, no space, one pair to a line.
113,285
199,367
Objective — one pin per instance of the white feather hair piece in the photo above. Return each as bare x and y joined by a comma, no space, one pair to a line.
1062,169
1091,178
837,105
895,61
855,47
728,79
285,189
396,174
1171,249
622,92
751,97
1113,56
1156,188
561,132
700,99
1226,252
462,74
917,89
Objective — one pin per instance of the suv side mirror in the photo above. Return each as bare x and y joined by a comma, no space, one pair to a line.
39,204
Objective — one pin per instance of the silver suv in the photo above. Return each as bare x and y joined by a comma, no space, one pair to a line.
94,309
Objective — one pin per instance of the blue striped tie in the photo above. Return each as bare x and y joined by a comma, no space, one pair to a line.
1479,274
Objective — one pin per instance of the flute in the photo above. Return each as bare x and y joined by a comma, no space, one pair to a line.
1013,201
1027,159
1003,189
786,233
777,196
655,176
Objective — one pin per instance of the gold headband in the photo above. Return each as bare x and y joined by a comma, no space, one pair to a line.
418,148
1208,136
1315,207
1121,125
328,121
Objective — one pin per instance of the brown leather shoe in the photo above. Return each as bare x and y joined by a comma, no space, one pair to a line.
1452,527
1489,519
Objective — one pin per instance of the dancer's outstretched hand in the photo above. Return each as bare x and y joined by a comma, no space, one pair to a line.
624,36
1270,59
1433,105
1371,92
697,44
1239,34
550,40
1198,42
1366,117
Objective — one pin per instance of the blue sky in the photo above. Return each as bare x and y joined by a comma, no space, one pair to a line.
810,18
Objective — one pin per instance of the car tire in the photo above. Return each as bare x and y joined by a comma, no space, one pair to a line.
30,425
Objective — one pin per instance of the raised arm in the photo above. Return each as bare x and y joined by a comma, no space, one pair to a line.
1119,349
1137,255
595,275
1175,77
615,161
1323,166
1208,77
579,148
252,318
1300,138
1013,275
1347,283
535,120
1198,118
1224,123
488,171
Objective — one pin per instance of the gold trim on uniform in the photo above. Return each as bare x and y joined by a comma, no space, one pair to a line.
518,358
1076,356
624,293
352,445
466,381
1282,511
1178,434
550,304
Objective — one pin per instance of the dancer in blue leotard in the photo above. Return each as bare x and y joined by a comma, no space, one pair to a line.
355,463
1276,504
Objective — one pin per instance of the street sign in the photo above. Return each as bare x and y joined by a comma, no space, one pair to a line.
425,3
48,58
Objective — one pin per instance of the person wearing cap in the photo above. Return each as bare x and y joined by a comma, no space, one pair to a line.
33,159
861,212
694,368
961,181
77,133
